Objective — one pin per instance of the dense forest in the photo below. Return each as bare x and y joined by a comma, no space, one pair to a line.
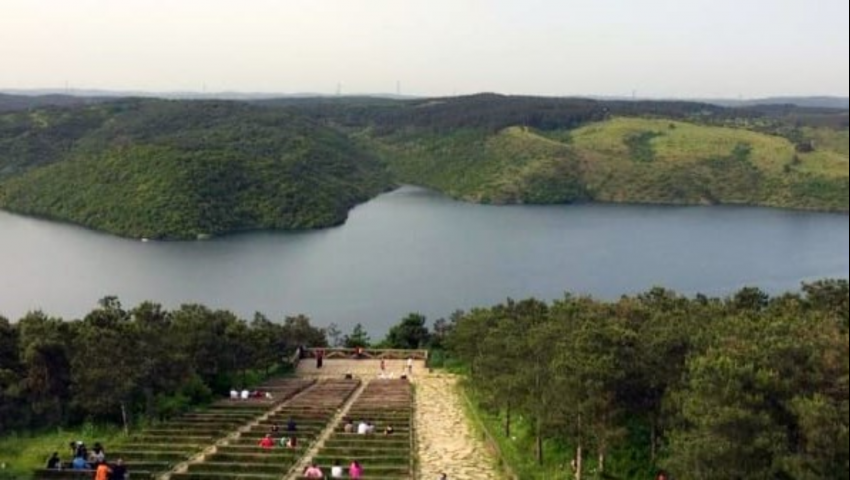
148,362
182,170
749,387
159,169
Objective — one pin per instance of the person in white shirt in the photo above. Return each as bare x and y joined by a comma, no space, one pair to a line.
246,394
234,395
337,471
362,428
409,365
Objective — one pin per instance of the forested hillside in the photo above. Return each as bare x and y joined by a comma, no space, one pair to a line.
179,170
515,150
747,387
188,169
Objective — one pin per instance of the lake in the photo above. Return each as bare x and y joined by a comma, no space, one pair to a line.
413,250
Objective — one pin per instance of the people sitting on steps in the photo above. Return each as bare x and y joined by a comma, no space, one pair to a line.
274,428
102,471
292,444
119,470
362,428
98,454
82,457
79,463
54,463
349,426
336,470
291,426
389,430
260,395
267,442
313,471
78,449
355,470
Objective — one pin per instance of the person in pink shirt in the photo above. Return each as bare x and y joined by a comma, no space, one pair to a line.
355,470
313,471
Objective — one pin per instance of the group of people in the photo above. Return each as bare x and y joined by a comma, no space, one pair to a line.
248,394
85,459
355,470
268,442
290,440
408,370
364,428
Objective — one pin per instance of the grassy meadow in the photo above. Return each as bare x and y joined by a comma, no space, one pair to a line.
23,453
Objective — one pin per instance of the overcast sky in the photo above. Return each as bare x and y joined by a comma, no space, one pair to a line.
669,48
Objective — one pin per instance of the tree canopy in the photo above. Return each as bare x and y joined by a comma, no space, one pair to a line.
750,387
151,361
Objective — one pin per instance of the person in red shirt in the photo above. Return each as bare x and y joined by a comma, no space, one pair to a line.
267,442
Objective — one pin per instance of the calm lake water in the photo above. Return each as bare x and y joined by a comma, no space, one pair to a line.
414,250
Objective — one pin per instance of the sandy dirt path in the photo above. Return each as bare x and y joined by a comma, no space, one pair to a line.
445,440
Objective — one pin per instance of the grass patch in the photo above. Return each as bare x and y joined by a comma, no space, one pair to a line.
837,141
23,453
681,142
640,146
515,452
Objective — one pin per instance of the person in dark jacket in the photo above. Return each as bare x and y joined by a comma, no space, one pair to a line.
119,471
54,463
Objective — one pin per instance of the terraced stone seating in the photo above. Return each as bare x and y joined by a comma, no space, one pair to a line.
383,457
157,450
242,458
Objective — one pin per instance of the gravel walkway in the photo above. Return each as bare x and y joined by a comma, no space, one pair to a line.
446,442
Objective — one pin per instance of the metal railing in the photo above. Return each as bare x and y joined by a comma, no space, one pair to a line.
367,354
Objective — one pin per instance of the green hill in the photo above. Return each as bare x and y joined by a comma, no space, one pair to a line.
624,160
180,170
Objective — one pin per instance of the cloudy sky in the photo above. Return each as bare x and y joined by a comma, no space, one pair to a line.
661,48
